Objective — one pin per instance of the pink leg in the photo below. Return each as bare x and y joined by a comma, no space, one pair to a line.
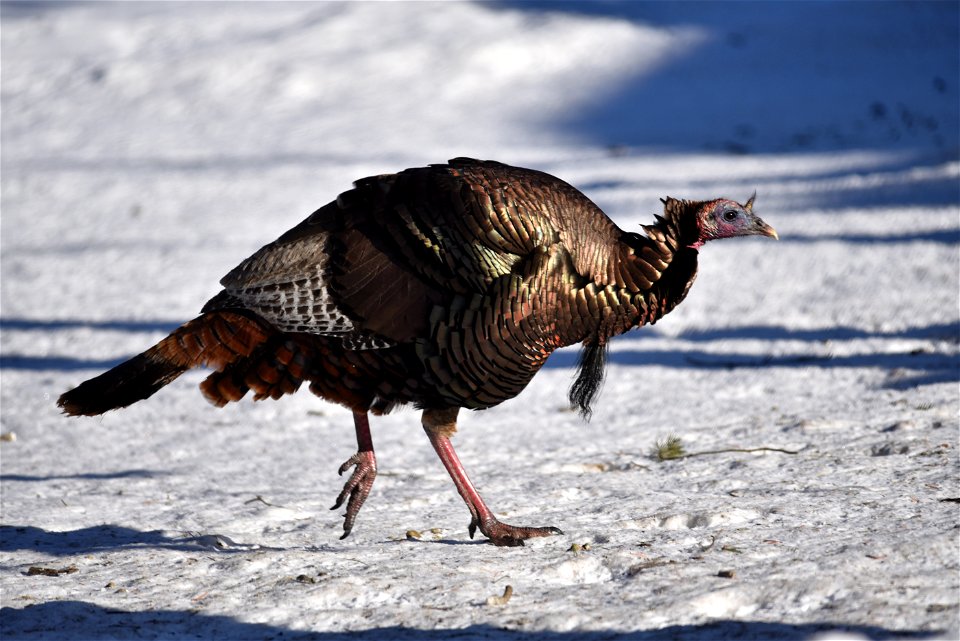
361,481
440,425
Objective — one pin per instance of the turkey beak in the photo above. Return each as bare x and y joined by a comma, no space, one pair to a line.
761,228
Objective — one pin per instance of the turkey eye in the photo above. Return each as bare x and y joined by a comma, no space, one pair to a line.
729,215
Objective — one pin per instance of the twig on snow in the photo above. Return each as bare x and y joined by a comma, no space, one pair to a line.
672,449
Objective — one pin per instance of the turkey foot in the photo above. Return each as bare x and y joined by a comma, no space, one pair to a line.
440,426
506,535
358,486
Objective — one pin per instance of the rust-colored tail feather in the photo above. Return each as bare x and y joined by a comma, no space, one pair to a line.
216,340
278,368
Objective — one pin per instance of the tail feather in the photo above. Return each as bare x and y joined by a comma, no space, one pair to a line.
279,367
216,340
129,382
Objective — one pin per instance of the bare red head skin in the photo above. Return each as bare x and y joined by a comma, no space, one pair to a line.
723,218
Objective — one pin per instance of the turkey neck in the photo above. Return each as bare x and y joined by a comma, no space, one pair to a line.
666,265
647,276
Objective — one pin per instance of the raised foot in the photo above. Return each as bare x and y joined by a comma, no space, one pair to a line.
505,535
357,487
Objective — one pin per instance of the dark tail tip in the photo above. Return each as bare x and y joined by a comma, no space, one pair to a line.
590,370
129,382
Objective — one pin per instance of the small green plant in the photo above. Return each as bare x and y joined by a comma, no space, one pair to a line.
669,449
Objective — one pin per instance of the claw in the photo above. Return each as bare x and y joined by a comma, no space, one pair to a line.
502,534
357,488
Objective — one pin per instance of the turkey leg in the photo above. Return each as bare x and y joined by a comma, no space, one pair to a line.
440,425
360,483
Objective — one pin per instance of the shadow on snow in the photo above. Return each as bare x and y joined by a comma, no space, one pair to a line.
88,476
113,538
908,368
748,61
107,538
940,331
39,324
942,236
55,363
79,619
897,180
934,367
938,367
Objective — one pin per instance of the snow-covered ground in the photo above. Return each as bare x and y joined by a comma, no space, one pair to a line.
147,148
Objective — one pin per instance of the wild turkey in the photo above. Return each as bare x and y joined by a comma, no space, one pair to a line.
446,286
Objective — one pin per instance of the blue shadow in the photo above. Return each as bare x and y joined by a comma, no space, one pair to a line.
89,476
754,79
91,622
43,325
926,367
103,538
939,331
33,363
55,363
936,367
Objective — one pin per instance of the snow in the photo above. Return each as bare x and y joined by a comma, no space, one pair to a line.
147,148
